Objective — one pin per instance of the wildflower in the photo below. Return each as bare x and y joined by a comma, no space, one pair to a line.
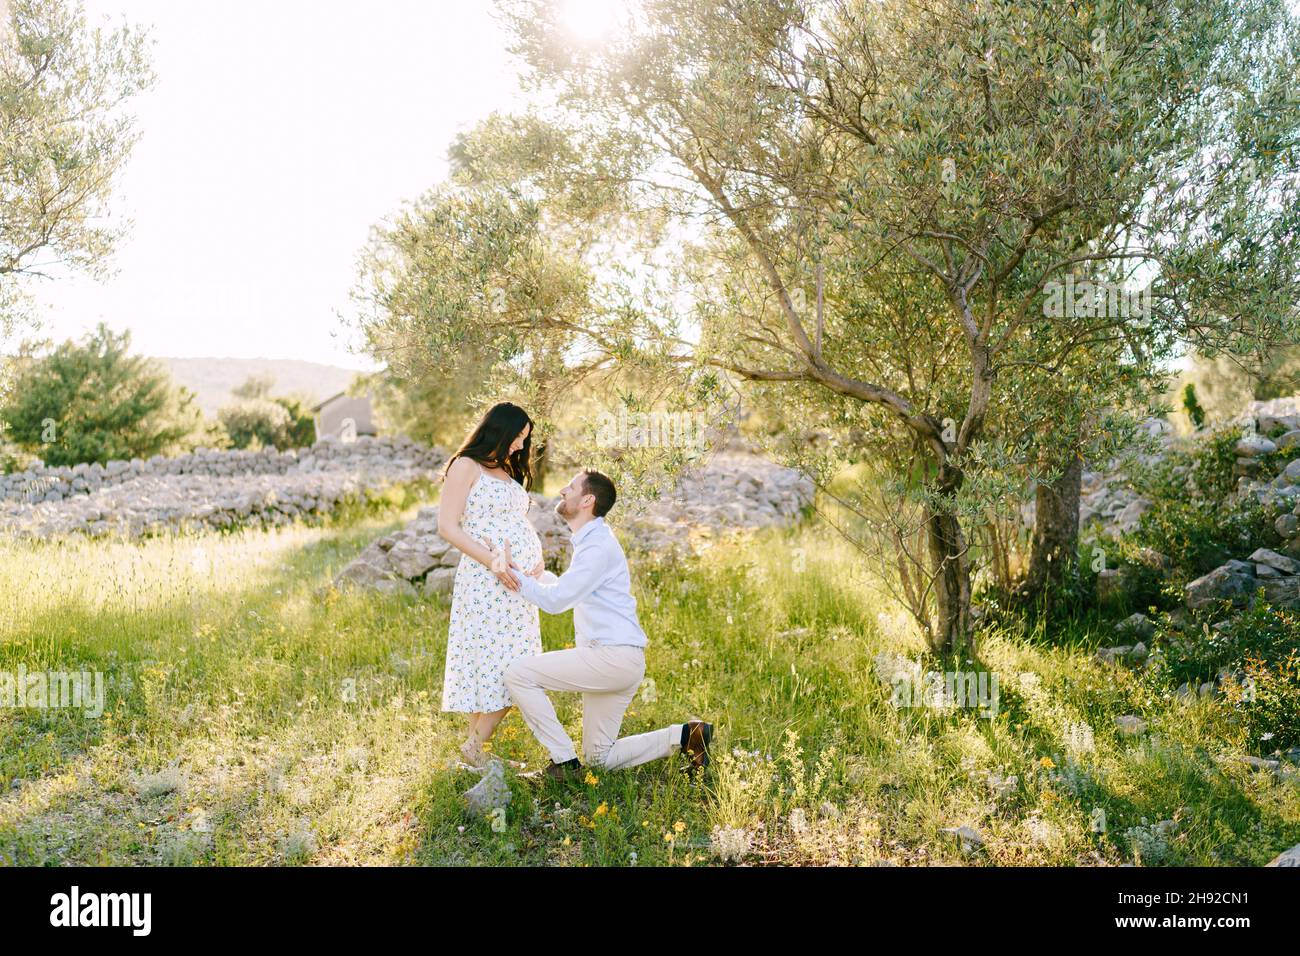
498,817
679,827
730,843
631,858
1046,763
602,809
591,779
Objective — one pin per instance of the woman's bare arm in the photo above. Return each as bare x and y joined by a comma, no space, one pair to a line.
455,491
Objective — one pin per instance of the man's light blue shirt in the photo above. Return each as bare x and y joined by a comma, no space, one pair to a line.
597,586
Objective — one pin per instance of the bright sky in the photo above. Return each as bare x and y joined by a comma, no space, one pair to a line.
277,134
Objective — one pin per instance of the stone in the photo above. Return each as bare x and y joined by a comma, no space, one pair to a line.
1287,525
967,837
1253,446
1130,725
490,793
1138,624
440,581
395,586
1260,763
1290,440
1289,857
1274,560
410,562
1233,581
1110,655
1282,592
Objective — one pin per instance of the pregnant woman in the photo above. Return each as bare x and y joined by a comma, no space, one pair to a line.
484,500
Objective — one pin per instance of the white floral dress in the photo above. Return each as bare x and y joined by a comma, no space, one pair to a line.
490,626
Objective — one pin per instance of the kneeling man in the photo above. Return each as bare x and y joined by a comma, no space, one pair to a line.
608,662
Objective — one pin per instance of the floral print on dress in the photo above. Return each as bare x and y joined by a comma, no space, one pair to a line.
490,626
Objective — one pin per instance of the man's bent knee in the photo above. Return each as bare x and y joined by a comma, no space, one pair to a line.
516,674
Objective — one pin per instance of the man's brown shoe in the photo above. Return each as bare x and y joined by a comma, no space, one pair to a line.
562,771
696,736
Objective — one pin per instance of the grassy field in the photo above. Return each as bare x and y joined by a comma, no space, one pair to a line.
256,716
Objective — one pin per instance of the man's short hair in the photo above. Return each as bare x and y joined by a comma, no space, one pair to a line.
594,483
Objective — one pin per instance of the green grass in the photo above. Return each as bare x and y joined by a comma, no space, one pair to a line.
257,716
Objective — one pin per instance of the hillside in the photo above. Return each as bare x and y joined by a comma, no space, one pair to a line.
212,379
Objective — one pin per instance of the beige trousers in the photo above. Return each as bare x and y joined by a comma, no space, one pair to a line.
607,678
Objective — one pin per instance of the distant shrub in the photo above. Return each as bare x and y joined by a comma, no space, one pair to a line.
255,423
258,419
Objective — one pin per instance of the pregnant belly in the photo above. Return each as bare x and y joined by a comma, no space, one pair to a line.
525,545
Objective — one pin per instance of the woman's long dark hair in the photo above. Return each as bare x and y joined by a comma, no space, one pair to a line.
489,443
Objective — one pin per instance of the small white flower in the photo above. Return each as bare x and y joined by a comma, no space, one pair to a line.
730,843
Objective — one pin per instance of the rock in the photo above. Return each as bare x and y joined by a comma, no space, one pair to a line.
1274,560
440,581
1110,655
1289,857
1253,446
1282,592
1287,525
410,562
1233,581
1292,471
1290,440
1138,624
395,586
363,574
1131,513
1130,725
967,837
1259,763
490,793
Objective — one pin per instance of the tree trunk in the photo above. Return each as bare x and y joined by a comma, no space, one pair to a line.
950,565
1056,528
539,465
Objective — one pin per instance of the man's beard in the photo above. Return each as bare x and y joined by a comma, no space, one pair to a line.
560,509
